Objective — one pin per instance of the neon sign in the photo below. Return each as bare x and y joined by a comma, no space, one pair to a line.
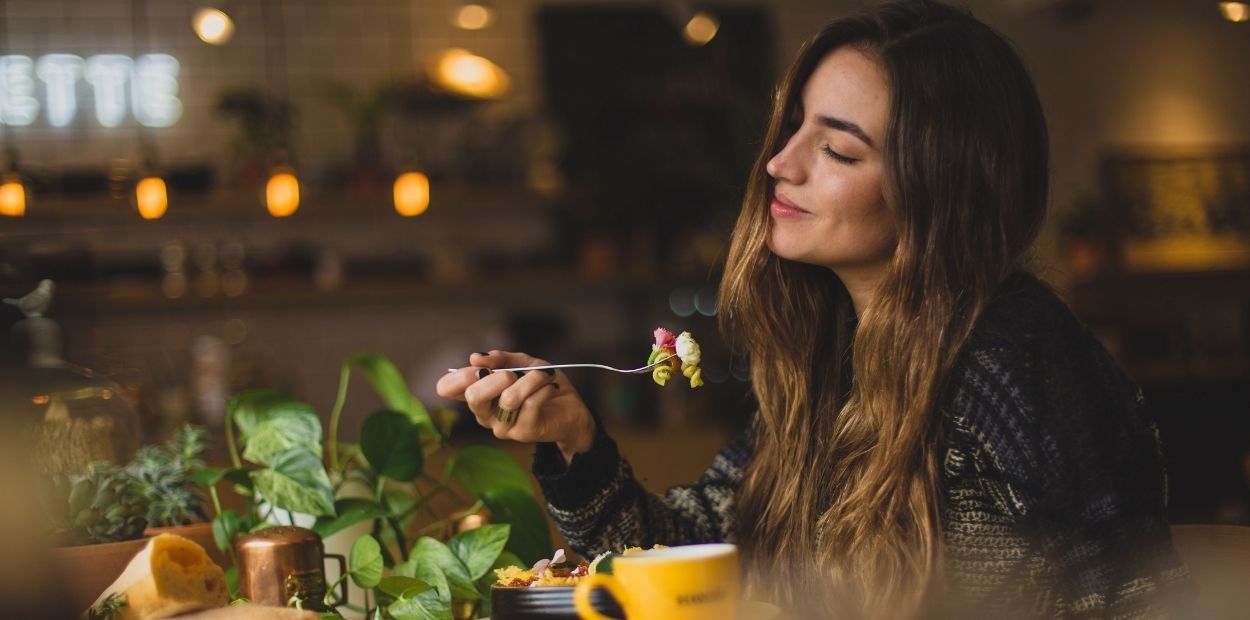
150,83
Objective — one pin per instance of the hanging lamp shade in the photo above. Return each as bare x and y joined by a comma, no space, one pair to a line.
151,197
464,73
12,196
412,194
1235,11
282,192
213,26
474,16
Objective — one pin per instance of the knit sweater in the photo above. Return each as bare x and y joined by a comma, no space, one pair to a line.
1052,488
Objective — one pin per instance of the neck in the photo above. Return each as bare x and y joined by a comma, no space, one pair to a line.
861,284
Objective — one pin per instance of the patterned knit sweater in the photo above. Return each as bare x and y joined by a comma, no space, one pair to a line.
1053,492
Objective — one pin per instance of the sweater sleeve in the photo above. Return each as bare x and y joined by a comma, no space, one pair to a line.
599,506
1071,456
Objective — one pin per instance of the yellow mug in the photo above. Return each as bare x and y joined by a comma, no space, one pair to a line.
694,582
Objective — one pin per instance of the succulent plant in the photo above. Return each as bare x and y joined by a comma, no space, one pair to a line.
101,505
163,475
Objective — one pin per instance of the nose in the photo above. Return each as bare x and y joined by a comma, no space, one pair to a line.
784,166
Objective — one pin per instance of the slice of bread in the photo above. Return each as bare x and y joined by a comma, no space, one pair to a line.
170,576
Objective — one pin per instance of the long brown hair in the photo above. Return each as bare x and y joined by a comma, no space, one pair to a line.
842,495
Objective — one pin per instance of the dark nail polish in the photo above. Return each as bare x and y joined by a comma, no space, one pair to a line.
519,373
551,372
483,354
482,373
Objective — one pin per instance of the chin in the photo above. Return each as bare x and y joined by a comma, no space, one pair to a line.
788,251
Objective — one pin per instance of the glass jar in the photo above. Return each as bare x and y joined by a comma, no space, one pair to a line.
75,416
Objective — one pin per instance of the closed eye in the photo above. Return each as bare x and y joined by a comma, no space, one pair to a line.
834,155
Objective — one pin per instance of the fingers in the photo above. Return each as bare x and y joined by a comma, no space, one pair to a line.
508,403
527,423
453,385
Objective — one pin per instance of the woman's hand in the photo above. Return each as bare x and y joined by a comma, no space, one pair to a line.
540,406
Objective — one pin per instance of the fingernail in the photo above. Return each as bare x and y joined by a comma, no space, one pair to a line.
551,372
519,373
483,354
482,373
555,386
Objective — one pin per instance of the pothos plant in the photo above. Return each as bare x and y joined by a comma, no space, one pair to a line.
410,564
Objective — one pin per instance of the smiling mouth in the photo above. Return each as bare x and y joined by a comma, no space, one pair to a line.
780,207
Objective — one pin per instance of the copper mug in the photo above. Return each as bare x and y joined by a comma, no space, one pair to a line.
278,563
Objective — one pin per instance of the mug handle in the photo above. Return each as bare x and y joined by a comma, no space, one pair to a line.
342,582
581,596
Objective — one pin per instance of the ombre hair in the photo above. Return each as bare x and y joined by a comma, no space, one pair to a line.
842,495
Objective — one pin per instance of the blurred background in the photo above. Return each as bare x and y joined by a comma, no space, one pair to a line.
240,194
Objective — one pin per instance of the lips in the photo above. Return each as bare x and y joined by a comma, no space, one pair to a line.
782,208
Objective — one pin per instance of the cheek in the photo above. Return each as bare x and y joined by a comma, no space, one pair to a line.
866,217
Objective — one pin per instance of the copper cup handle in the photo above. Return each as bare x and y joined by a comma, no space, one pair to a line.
343,578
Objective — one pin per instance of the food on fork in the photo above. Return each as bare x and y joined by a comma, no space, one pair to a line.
681,352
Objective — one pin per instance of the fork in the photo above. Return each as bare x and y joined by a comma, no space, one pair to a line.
628,371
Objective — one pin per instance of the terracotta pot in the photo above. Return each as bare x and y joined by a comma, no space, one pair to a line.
199,533
89,569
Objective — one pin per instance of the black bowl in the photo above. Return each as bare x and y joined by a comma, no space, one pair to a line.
546,603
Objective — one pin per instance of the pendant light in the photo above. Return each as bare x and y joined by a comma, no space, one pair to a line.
411,190
474,15
212,25
1235,11
12,195
412,193
12,190
282,190
151,196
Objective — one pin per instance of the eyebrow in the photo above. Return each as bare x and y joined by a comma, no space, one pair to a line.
847,126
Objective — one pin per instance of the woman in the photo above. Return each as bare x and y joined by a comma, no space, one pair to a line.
936,434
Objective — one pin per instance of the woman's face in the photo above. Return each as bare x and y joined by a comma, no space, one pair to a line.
827,207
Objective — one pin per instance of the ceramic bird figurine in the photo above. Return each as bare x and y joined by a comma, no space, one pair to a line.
36,302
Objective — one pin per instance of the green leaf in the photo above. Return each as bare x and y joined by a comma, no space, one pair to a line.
284,426
249,407
389,383
424,606
364,563
225,527
530,539
399,586
429,572
430,551
350,512
398,500
296,480
480,468
478,548
208,476
392,445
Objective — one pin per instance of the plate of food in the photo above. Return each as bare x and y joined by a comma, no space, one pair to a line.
545,590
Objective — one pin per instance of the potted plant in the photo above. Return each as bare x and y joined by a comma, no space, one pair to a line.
165,477
98,518
411,486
